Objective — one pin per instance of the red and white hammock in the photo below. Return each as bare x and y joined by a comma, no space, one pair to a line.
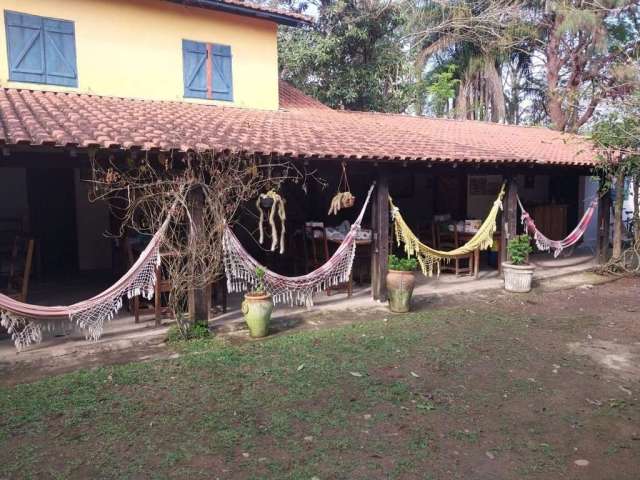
25,322
240,268
546,244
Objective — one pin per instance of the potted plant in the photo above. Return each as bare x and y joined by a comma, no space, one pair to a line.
257,308
400,283
518,273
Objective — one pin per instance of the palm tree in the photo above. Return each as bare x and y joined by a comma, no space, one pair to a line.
474,36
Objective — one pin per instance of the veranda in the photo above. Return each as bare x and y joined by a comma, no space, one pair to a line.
43,195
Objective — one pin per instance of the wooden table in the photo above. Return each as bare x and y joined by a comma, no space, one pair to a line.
466,236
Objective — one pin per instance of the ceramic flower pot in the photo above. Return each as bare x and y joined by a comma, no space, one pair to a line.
517,278
257,308
400,286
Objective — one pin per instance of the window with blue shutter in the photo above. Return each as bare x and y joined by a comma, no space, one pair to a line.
41,50
207,70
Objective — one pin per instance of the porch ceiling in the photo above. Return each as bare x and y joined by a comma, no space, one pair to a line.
303,128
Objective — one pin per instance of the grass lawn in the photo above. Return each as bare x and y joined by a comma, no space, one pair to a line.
488,390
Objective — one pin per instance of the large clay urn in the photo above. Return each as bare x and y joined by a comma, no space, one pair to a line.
257,308
400,286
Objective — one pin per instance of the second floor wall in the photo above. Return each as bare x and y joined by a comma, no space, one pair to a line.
147,49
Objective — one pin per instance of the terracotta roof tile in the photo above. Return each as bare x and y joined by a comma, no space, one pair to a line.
306,128
269,9
293,99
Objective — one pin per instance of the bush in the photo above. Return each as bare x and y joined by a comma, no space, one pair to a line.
192,332
519,248
403,264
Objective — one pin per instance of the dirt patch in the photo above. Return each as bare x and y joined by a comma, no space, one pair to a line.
622,360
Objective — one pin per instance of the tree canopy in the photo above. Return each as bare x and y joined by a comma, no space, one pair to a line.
550,62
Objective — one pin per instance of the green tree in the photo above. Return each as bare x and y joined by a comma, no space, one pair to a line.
590,52
442,89
617,137
354,57
475,36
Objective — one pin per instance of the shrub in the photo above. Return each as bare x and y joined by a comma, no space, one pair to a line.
193,332
519,248
403,264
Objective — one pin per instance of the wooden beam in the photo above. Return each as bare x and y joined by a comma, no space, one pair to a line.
509,217
380,257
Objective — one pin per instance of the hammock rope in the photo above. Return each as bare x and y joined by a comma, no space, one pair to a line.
25,322
546,244
430,258
240,268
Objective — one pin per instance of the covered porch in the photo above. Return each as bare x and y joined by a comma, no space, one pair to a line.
443,175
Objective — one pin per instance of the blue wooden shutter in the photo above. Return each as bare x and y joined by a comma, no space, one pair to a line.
25,46
194,58
222,79
60,52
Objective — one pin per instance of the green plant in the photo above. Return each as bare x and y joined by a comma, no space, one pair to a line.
192,332
260,275
519,248
403,264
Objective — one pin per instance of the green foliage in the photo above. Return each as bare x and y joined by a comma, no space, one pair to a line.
442,89
191,332
260,274
354,58
403,264
519,248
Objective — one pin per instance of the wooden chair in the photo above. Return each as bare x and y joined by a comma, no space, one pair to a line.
316,233
20,268
140,305
449,240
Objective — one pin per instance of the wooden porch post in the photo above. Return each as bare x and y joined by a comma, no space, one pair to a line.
509,217
604,226
199,298
380,226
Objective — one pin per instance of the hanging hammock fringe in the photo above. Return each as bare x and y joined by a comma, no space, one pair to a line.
430,258
240,269
546,244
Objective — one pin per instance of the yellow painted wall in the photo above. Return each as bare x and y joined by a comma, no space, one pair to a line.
133,48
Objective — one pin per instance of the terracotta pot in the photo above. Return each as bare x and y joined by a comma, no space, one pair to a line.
257,308
517,278
400,286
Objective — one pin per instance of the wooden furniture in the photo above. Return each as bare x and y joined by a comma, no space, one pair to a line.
551,219
140,305
20,268
466,236
449,240
362,258
316,234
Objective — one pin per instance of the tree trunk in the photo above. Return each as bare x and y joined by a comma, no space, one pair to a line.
617,214
199,298
636,207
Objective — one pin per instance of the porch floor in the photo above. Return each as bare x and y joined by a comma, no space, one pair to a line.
122,332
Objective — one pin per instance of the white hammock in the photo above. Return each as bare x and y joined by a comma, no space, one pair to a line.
25,322
240,269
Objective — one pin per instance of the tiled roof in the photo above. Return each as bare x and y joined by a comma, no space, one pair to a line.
68,119
279,15
293,99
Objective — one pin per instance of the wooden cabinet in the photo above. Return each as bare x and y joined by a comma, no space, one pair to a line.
551,220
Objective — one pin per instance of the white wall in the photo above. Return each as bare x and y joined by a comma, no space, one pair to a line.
479,205
92,219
